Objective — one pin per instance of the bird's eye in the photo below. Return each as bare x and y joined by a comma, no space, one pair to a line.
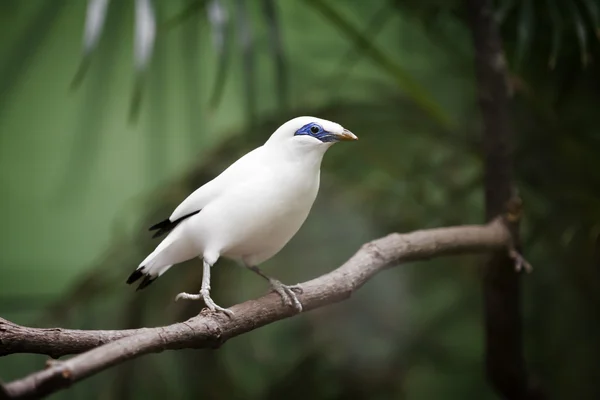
314,129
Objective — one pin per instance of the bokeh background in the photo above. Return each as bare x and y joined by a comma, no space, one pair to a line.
106,124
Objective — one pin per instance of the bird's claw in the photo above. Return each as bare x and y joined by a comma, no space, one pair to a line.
204,295
297,288
288,297
187,296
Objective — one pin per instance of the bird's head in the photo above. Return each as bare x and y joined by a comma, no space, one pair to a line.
311,132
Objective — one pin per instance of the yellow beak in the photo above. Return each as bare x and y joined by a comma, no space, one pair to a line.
346,136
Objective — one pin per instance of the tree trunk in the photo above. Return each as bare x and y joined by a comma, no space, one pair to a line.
504,359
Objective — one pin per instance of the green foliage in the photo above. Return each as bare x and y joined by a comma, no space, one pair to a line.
567,21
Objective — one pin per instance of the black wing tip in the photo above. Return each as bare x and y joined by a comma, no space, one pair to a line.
160,225
167,225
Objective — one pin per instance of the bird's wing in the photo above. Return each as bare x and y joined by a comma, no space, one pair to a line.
238,172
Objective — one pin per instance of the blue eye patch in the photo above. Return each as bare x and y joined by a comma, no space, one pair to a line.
315,130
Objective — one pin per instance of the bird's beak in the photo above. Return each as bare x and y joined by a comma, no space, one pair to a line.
346,135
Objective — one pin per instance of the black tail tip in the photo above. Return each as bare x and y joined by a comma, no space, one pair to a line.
137,274
145,282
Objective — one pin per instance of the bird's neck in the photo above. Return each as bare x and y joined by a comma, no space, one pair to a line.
307,156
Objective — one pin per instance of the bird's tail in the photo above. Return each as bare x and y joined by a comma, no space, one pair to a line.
170,251
148,274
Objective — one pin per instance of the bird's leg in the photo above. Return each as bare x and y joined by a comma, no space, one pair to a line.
287,294
205,292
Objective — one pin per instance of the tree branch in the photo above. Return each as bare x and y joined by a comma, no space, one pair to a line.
212,330
54,342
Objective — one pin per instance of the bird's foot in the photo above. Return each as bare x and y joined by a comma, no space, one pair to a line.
204,295
288,296
520,262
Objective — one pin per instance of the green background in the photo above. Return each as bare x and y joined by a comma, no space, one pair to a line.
83,176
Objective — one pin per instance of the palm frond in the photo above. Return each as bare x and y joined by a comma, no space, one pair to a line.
218,17
525,29
84,152
557,32
376,23
580,31
94,26
402,77
276,48
188,12
20,52
593,12
145,35
572,19
503,10
192,67
246,43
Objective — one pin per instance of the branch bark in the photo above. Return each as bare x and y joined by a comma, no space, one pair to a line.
103,349
505,361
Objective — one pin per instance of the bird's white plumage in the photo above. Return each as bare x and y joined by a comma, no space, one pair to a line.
254,207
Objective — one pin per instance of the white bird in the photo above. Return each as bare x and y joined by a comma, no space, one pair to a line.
250,211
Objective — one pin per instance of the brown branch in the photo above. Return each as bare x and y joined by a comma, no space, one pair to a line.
212,330
505,360
54,342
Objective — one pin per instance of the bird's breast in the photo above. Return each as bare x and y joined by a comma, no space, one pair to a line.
256,219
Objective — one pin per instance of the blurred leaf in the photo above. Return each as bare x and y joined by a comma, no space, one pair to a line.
525,30
94,26
557,31
404,80
156,138
218,17
377,22
192,76
145,33
504,10
246,42
581,33
22,48
276,48
136,98
84,151
593,15
185,14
